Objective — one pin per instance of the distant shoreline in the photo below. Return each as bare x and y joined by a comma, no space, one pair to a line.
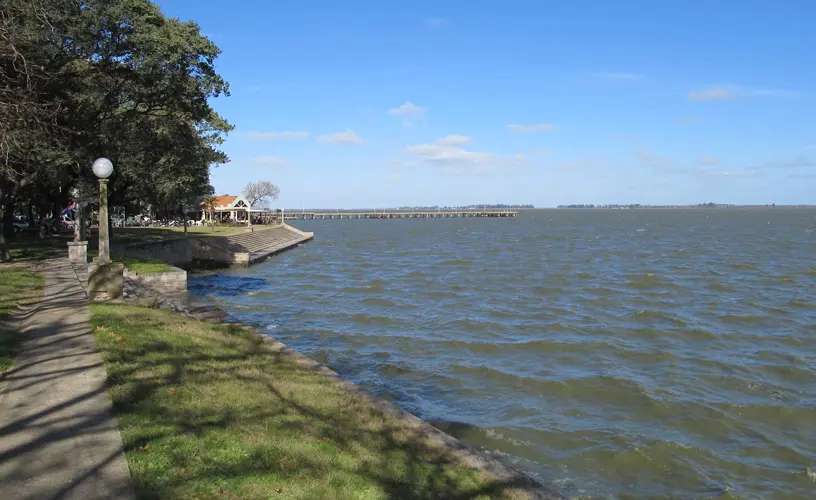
517,209
684,207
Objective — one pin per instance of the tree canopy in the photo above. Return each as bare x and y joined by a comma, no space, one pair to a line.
256,192
113,78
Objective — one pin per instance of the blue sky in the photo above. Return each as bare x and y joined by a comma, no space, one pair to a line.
384,103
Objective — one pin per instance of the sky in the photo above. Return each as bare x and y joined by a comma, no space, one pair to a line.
356,104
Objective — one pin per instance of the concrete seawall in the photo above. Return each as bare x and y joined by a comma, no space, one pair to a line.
241,249
165,282
176,252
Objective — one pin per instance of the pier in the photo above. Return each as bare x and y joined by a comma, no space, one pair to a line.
399,214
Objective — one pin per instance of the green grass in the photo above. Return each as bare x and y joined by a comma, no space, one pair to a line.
18,287
144,234
143,266
31,247
137,265
208,411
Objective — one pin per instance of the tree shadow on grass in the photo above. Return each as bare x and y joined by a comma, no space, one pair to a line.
215,413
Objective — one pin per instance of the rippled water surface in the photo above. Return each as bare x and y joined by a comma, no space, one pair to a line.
612,354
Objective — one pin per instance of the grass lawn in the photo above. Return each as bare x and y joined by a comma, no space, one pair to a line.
143,234
31,247
207,411
135,264
142,266
18,287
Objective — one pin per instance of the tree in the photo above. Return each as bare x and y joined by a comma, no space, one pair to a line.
113,78
256,192
208,202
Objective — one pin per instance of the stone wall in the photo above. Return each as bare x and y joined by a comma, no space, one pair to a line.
168,282
177,252
209,252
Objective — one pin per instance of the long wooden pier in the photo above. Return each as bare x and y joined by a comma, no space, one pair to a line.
399,214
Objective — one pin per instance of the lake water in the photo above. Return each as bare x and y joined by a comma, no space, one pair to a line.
611,354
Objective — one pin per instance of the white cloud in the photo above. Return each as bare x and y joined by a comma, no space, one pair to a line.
648,158
623,76
435,22
541,152
631,139
798,162
436,153
409,112
448,153
267,160
688,120
712,94
341,138
729,173
541,127
407,109
732,92
403,164
453,140
568,166
286,135
707,160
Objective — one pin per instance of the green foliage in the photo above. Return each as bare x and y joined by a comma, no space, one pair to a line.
113,78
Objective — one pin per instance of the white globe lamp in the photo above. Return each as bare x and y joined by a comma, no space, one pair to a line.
102,168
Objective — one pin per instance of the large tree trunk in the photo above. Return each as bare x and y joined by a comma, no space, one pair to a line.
8,218
5,255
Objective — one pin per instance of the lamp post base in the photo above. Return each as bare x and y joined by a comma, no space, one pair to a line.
78,252
106,280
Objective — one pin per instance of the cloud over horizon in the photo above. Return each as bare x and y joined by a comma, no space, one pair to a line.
448,152
622,76
794,163
541,127
409,112
267,160
348,137
648,158
734,92
286,135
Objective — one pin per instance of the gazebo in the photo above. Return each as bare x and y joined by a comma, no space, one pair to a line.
228,208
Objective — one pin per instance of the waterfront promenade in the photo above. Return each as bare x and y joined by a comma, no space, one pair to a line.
58,436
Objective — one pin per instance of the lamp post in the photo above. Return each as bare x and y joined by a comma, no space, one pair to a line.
105,278
103,168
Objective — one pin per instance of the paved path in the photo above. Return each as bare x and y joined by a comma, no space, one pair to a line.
58,436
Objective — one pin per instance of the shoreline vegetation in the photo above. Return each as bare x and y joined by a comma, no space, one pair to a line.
213,411
666,207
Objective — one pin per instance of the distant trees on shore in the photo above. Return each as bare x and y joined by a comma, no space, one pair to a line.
487,206
638,205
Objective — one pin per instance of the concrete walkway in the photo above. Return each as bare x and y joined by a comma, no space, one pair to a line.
58,435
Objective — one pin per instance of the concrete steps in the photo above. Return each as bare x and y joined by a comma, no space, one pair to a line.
253,246
258,241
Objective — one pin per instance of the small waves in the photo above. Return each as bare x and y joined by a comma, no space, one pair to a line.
645,354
